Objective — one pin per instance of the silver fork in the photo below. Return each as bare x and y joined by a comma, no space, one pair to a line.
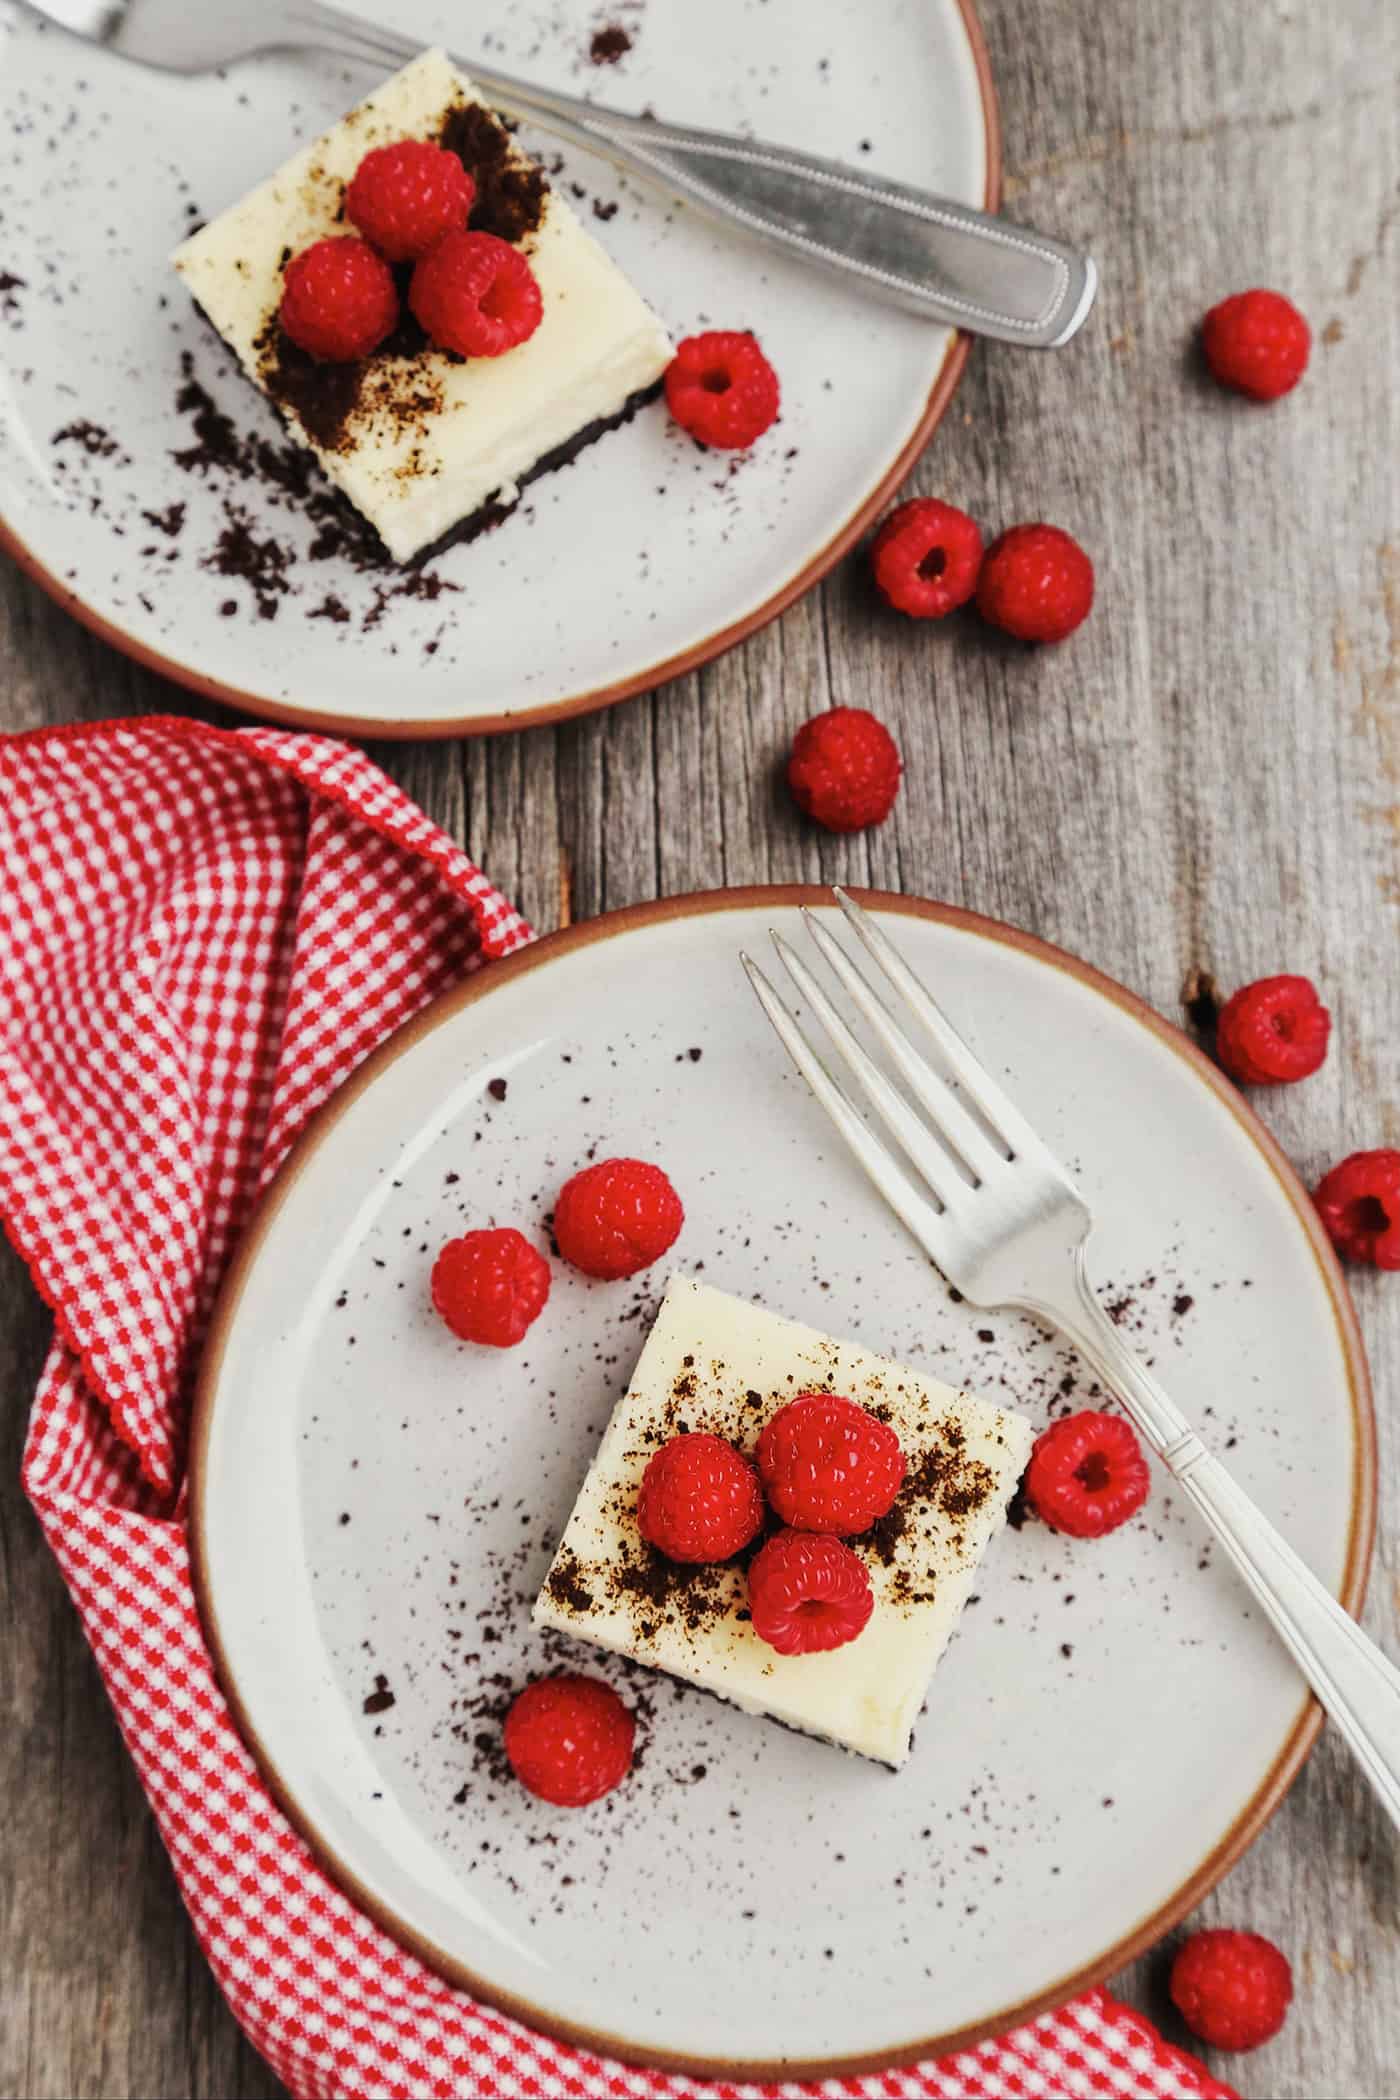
1006,1225
948,262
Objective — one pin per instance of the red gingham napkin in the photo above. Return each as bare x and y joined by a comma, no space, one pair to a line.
202,933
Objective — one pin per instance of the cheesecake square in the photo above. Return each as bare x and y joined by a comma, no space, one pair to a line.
720,1364
427,444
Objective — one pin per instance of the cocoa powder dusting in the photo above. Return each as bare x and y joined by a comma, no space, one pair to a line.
566,1585
321,396
510,192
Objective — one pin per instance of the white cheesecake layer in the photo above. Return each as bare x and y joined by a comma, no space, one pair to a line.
484,423
716,1363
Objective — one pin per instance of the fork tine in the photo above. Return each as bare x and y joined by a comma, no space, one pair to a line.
957,1128
999,1110
893,1183
933,1163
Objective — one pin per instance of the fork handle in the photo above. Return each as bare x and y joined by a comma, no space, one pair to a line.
1357,1684
945,261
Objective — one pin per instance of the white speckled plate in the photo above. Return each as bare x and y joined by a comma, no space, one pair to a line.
645,557
375,1506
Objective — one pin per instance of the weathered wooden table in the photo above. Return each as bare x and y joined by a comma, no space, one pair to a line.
1207,776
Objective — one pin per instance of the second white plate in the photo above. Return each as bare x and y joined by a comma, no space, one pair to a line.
646,556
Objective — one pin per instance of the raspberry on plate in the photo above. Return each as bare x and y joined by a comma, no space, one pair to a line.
1036,583
407,195
617,1217
569,1739
338,299
490,1285
1232,1989
926,558
1359,1200
1087,1474
699,1499
828,1465
844,769
476,295
1258,343
722,389
1273,1031
808,1593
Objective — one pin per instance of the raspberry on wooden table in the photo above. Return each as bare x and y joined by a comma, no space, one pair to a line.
722,389
828,1465
476,295
699,1500
926,558
844,769
569,1739
1036,583
617,1217
338,299
1232,1989
1359,1201
405,196
1273,1031
808,1593
1087,1474
1258,343
490,1285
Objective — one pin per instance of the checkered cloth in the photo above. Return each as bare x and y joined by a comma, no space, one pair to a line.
202,933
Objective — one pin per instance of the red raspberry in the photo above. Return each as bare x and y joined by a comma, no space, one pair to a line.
1273,1031
1087,1474
1231,1988
844,769
1360,1205
490,1285
721,388
569,1739
406,196
476,295
828,1465
699,1499
617,1217
808,1593
1258,343
926,557
1037,583
338,299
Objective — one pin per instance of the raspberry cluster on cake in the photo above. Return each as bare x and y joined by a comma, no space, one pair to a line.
429,431
835,1622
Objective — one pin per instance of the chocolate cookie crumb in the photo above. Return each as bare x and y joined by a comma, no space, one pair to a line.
95,441
260,563
608,45
170,521
381,1698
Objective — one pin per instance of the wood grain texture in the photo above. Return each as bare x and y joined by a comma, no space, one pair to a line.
1207,776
